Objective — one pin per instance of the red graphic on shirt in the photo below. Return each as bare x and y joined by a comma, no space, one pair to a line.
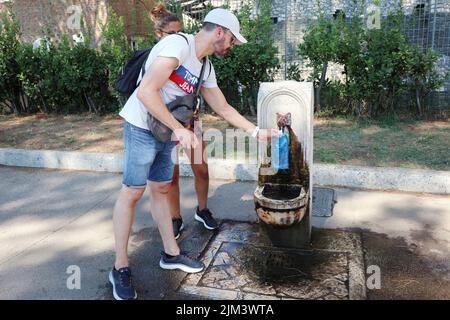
185,80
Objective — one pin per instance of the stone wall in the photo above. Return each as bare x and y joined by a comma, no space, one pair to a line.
128,8
308,9
53,18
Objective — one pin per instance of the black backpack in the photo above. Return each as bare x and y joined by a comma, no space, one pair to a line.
126,81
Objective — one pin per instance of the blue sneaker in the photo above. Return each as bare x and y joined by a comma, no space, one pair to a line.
205,216
122,283
183,262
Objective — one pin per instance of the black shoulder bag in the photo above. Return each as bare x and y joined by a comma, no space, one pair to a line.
182,108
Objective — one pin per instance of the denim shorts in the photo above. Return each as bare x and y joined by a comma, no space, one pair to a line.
145,158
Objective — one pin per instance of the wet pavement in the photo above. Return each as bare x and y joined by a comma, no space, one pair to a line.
241,263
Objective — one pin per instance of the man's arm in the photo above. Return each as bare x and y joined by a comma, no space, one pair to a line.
149,90
149,94
216,100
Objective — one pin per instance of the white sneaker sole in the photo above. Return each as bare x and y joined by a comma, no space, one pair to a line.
182,267
199,219
111,279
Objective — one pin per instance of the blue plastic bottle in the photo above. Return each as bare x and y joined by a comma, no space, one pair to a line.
280,151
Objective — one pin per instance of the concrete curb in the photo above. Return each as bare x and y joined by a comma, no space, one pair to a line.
373,178
70,160
378,178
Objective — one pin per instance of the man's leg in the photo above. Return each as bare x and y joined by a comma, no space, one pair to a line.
174,193
200,169
160,177
172,258
123,216
199,165
140,152
159,207
174,200
201,174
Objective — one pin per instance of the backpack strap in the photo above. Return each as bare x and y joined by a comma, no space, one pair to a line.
143,65
200,79
210,68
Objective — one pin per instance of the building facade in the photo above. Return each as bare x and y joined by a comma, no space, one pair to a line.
52,18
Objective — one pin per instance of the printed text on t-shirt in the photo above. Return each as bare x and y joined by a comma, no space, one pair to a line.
185,80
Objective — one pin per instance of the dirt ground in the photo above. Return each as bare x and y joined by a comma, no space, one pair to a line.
408,272
92,133
87,132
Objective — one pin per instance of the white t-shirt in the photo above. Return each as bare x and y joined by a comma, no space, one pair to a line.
182,81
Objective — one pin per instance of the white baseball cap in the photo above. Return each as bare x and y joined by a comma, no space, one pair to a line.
228,20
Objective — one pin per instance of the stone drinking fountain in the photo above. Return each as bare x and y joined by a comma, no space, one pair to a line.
283,196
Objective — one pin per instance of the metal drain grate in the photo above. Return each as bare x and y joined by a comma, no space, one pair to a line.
323,202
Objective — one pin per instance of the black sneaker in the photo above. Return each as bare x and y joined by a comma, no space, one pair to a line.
122,283
183,262
205,216
178,226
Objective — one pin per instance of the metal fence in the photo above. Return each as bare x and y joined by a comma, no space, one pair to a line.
426,24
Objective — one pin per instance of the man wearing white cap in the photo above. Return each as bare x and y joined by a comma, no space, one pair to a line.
226,23
172,69
225,18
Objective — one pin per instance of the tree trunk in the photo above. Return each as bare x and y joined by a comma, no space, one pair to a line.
319,88
90,103
44,106
419,106
250,101
14,99
392,104
16,105
251,106
24,103
7,104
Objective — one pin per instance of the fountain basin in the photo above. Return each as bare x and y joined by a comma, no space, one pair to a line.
281,205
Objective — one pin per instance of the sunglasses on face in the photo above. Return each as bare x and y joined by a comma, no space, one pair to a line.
233,38
169,32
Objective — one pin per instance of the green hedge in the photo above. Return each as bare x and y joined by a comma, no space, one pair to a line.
12,97
380,66
64,78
